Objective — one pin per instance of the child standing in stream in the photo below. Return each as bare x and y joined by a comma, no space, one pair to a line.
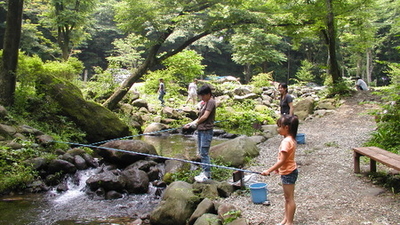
286,165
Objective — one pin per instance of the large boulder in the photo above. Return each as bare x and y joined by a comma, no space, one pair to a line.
234,152
98,122
59,165
106,180
125,152
154,129
177,205
304,108
205,206
136,181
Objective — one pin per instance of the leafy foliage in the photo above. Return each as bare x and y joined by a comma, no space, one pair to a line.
100,86
262,80
342,88
13,172
185,66
387,135
242,118
128,52
304,74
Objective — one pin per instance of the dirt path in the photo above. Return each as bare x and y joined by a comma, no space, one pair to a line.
327,191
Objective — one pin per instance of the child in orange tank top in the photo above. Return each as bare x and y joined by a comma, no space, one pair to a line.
286,164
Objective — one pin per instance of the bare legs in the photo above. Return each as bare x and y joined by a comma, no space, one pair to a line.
290,205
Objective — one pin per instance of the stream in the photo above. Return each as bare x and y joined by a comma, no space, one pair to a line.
76,207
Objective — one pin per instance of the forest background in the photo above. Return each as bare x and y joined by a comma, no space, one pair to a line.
91,42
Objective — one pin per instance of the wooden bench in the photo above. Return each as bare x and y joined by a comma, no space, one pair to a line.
376,155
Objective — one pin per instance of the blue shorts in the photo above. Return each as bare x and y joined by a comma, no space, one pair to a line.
290,178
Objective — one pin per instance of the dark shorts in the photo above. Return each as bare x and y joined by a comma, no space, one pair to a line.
290,178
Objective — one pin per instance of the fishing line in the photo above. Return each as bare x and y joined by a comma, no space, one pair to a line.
158,156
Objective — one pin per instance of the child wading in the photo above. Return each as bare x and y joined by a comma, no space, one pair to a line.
286,164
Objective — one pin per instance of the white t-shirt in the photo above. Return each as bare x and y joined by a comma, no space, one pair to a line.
192,89
362,84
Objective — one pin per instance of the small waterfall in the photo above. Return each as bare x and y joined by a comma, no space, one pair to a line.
76,186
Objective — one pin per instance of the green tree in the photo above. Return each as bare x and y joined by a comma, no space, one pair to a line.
324,18
127,52
160,20
255,46
304,74
68,20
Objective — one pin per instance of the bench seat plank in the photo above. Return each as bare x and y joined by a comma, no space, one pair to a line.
376,154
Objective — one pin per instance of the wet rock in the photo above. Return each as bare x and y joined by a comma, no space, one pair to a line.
67,157
136,181
106,180
80,162
154,173
177,205
59,165
113,195
144,165
63,187
129,154
76,151
90,160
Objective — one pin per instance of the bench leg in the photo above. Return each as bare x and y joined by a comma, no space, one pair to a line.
356,162
372,165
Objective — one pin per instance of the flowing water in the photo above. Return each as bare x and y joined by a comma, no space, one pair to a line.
75,207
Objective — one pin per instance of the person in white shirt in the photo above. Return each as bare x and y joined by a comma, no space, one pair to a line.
192,92
361,85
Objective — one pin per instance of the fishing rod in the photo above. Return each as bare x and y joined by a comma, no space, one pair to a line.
149,133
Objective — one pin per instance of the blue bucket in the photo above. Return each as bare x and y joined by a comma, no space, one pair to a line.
258,192
301,138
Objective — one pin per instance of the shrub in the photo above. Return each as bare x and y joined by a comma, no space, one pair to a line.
387,135
69,70
261,80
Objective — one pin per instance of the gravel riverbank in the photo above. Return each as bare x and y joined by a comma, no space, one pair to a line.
327,191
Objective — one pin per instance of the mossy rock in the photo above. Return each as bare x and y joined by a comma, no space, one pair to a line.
98,122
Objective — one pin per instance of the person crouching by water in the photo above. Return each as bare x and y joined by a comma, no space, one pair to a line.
360,84
286,164
286,100
204,125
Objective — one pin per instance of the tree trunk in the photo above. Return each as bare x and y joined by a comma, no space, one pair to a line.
331,41
247,73
369,67
64,42
117,96
8,67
